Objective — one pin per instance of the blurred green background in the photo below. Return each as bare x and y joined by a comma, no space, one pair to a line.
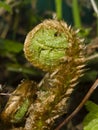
17,18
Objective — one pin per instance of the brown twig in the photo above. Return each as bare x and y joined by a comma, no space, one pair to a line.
91,90
5,94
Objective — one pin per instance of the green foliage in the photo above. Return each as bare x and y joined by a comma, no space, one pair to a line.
9,46
90,75
93,125
91,120
19,68
84,32
6,6
10,50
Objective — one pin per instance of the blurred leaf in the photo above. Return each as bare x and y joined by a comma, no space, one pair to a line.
91,120
91,106
90,75
84,32
22,69
93,125
9,46
6,6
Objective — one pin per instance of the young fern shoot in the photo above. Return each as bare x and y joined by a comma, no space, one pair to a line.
54,47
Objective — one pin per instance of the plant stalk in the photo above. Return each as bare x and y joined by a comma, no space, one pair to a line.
58,4
76,14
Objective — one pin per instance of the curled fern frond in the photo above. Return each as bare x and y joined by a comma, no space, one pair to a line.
54,47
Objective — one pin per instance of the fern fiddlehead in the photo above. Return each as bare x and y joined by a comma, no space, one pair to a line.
54,47
19,102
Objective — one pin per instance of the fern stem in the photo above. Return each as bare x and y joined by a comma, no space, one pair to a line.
58,4
76,13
